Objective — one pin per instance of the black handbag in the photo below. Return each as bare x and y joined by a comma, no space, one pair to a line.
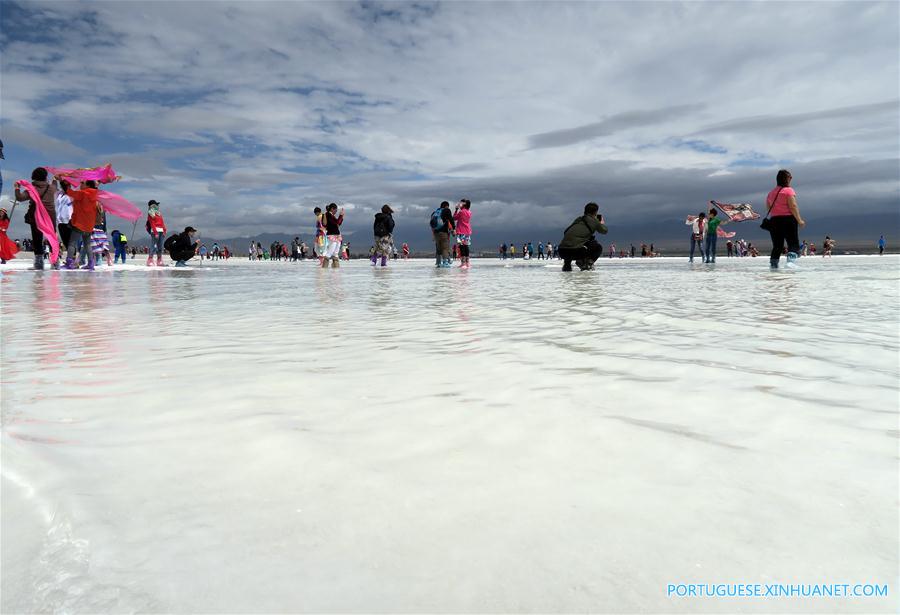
766,224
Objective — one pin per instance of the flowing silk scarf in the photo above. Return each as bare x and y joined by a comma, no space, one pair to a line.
42,219
104,175
118,205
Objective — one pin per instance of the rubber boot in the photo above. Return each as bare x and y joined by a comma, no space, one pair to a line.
90,263
159,262
773,264
384,261
325,262
70,263
335,262
374,259
39,263
149,261
56,264
792,260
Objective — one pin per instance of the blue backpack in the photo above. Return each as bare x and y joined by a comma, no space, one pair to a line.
437,220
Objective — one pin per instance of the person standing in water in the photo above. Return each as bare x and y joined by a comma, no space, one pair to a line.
63,211
383,228
712,228
319,242
156,228
698,226
881,245
828,246
785,221
8,247
578,243
85,209
47,194
441,226
462,218
333,239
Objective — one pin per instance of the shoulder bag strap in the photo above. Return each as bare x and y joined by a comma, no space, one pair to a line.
769,210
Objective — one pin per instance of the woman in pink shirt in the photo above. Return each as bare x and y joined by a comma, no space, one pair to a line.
462,220
785,220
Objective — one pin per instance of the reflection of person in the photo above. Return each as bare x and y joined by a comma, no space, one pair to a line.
578,242
184,247
784,219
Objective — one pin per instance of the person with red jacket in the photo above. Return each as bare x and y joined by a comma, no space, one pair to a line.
85,209
8,247
156,227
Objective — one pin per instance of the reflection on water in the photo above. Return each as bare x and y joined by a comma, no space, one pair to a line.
196,430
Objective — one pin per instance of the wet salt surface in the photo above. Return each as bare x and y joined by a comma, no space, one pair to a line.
272,437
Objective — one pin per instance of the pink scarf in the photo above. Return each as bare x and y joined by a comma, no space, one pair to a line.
118,206
104,175
42,219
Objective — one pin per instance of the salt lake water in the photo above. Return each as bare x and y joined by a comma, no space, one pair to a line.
274,437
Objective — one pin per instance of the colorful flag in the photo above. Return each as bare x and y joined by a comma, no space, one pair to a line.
42,220
721,233
736,212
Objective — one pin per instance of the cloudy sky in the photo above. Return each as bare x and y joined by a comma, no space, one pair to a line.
240,117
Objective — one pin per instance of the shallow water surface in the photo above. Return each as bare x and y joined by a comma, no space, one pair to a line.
274,437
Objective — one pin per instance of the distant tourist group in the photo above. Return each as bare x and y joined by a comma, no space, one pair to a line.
79,218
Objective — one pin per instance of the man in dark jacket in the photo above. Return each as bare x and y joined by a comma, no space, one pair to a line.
578,242
184,247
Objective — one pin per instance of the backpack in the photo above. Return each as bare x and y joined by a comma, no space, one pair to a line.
380,226
437,220
170,242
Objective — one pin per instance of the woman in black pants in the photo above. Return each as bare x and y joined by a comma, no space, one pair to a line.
784,220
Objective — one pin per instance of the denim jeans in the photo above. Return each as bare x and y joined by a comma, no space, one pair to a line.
84,249
696,244
711,248
120,251
156,244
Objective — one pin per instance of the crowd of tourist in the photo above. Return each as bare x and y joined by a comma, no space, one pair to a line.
79,223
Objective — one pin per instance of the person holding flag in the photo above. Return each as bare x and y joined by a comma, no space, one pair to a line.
712,233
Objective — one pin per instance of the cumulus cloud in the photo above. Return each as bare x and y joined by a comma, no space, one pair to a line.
243,115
